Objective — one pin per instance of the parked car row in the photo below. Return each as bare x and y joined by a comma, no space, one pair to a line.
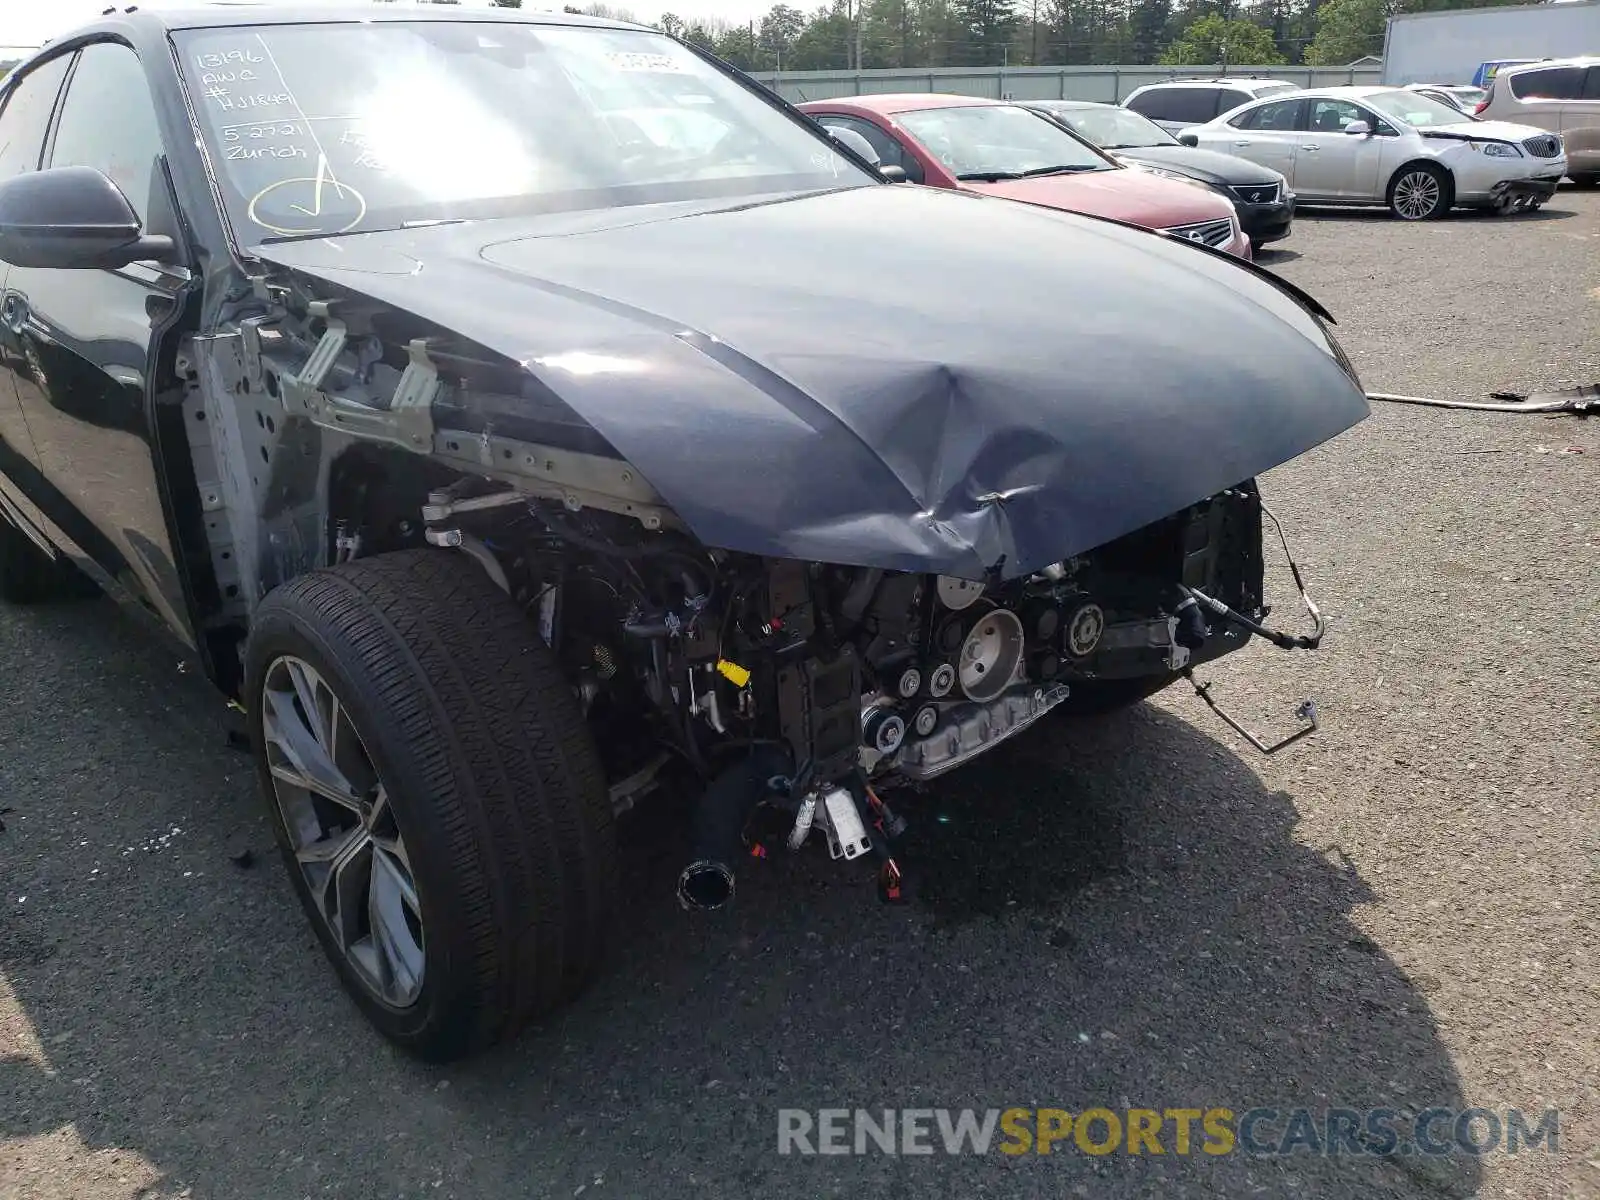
1257,146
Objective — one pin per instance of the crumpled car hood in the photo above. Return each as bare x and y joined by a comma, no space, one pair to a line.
884,376
1497,131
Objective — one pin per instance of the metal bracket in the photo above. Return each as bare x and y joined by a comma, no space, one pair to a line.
407,422
250,335
1306,713
412,405
1177,655
574,479
328,347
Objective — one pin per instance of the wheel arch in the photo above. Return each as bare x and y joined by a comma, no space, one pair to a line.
1421,160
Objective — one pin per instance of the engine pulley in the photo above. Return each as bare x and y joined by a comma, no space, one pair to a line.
882,729
957,594
909,683
1088,623
990,655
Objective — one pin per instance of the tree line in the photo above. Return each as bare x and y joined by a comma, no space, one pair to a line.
872,34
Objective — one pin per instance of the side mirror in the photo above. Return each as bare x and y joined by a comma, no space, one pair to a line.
73,218
893,173
857,144
1358,129
1188,139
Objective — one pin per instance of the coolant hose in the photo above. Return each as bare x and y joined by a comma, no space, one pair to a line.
718,821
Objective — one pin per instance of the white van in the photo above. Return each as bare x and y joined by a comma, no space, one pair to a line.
1561,95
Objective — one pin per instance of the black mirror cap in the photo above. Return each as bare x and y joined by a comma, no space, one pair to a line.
893,173
1188,139
72,218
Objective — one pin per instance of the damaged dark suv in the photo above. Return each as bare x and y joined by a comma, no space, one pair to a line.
511,410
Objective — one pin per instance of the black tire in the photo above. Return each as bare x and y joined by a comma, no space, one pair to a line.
30,576
1407,184
1101,696
491,775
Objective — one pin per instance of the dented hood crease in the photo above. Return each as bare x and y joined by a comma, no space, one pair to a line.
885,376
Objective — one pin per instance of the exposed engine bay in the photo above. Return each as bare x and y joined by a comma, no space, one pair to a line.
838,682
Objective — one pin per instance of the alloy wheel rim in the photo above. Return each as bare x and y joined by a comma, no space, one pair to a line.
343,832
1416,195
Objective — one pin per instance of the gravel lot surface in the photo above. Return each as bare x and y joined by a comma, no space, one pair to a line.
1399,911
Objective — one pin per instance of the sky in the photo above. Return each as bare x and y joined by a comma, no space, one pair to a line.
29,22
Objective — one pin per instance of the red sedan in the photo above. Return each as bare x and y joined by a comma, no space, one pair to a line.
1006,150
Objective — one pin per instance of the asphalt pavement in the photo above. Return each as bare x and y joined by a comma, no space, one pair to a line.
1137,911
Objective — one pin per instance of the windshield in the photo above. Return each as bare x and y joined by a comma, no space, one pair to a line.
998,141
324,129
1115,128
1414,109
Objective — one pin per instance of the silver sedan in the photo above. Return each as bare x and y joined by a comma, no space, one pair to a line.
1376,145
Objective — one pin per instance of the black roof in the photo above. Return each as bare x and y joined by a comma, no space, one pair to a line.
225,15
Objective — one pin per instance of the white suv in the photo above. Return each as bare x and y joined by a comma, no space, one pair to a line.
1180,103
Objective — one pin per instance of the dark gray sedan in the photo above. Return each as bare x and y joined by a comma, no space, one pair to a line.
1260,195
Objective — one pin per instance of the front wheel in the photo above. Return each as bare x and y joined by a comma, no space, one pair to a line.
436,796
1419,192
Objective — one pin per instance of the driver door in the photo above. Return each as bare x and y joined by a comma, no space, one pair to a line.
87,341
1330,163
24,122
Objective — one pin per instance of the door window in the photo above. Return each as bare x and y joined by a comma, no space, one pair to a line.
1591,87
1280,116
1191,105
1230,98
890,152
1331,116
108,122
26,117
